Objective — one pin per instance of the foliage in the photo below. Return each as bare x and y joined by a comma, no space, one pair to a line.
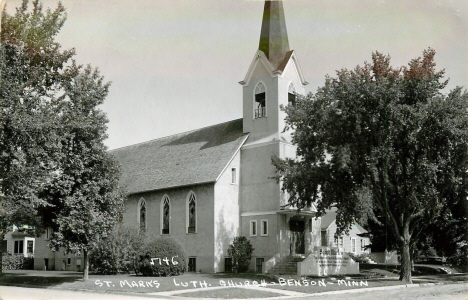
33,68
241,253
383,144
54,168
17,262
169,258
362,257
117,252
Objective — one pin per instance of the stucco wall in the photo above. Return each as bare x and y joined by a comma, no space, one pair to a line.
226,213
200,244
265,246
266,127
259,190
43,251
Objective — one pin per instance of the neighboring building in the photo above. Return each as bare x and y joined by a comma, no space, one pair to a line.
353,242
46,259
19,241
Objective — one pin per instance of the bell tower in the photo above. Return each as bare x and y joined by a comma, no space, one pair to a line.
272,80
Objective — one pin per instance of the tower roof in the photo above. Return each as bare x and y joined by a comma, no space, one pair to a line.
274,37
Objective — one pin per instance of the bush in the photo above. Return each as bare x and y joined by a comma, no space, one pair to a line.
159,249
116,253
241,252
362,258
17,262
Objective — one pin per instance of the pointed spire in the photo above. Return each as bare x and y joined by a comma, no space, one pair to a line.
274,37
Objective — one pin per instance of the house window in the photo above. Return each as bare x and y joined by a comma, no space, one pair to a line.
264,228
69,261
166,215
48,233
142,215
191,214
30,247
258,264
340,242
291,95
363,245
253,227
353,245
233,175
260,101
192,264
19,247
227,264
324,238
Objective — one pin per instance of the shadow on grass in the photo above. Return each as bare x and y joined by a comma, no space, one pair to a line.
245,276
36,279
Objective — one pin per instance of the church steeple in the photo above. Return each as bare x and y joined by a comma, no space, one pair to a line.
274,37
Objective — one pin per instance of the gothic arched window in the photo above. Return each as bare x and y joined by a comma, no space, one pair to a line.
191,213
260,101
291,94
166,215
142,215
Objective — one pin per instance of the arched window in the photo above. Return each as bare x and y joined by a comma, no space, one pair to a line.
165,215
291,94
191,213
142,215
260,101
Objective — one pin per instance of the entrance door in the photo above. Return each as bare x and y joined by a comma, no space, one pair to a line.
297,240
46,264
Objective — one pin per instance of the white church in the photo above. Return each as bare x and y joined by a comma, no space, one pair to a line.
207,186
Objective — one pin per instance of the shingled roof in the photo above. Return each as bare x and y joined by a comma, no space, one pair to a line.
194,157
330,217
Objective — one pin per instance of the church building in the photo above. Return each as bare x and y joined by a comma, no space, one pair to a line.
207,186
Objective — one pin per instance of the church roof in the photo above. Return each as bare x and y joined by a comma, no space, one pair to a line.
193,157
274,37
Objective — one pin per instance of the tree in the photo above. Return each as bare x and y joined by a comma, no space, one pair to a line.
241,253
55,170
382,144
84,201
32,70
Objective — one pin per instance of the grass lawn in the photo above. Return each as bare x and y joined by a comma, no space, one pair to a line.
126,283
229,293
233,282
320,285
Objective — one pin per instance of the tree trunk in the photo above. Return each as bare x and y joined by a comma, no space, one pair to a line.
405,273
86,265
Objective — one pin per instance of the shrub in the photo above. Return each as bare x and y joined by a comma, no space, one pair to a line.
116,253
159,249
241,252
17,262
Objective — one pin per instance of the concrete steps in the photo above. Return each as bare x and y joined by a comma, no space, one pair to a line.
288,266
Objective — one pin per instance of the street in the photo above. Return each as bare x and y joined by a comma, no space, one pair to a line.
447,291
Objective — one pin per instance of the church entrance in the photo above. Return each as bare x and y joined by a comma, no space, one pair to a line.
297,238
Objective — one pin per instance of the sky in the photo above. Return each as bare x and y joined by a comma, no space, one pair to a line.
175,64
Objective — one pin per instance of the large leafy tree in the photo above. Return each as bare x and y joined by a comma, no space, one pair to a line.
383,144
55,170
33,69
